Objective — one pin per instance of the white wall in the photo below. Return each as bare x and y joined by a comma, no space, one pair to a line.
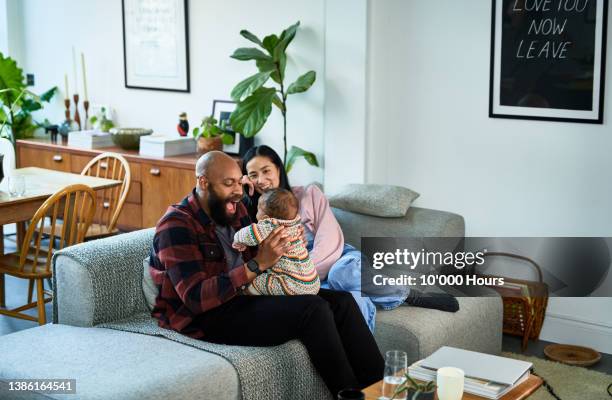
50,29
429,130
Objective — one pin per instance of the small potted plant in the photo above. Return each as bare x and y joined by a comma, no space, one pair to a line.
414,390
211,136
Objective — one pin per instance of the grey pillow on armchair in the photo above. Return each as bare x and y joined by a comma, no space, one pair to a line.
377,200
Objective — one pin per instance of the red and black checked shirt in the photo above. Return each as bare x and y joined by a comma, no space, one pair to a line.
189,267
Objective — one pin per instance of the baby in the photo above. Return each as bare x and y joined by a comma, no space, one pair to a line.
294,273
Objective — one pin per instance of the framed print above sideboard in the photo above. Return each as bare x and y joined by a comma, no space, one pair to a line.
156,44
548,60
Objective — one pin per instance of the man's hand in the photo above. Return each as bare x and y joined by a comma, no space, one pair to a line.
246,181
272,248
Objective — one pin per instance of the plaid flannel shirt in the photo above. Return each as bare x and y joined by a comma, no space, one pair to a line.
189,267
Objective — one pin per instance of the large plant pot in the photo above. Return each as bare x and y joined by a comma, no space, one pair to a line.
209,144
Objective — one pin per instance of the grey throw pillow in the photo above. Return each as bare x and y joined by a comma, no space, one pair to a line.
378,200
148,286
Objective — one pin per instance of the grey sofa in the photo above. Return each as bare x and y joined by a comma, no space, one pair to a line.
99,299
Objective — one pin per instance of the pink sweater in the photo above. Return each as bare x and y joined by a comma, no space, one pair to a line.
318,218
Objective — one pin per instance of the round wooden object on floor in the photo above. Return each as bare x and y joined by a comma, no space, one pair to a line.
572,355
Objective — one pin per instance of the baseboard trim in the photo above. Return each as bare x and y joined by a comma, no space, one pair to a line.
568,329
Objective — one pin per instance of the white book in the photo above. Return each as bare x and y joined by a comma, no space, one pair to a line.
479,365
165,146
92,139
483,388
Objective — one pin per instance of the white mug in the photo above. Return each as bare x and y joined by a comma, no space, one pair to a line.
450,383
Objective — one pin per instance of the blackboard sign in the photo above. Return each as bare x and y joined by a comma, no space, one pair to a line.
548,59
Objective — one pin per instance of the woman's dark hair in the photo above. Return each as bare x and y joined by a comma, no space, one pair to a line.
263,151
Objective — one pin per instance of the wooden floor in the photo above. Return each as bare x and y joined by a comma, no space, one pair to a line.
17,289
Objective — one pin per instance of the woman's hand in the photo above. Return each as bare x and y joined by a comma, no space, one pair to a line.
272,248
246,181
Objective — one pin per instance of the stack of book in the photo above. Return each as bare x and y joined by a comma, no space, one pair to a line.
487,376
92,139
166,146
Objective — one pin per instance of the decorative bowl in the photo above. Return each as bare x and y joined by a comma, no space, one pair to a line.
128,138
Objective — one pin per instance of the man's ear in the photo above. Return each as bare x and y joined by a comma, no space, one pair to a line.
203,183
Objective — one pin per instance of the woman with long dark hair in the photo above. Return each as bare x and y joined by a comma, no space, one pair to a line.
338,263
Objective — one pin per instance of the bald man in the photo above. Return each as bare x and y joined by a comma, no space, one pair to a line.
201,279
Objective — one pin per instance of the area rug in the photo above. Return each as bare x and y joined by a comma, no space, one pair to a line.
569,383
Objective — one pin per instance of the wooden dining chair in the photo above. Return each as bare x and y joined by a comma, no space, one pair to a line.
111,200
76,205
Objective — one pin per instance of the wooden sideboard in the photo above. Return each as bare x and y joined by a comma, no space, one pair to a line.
156,182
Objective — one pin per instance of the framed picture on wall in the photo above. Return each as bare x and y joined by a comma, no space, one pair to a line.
221,111
548,60
156,44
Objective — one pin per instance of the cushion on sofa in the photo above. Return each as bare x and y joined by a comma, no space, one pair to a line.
149,288
110,364
377,200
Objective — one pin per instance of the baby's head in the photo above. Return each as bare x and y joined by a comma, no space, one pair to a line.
277,203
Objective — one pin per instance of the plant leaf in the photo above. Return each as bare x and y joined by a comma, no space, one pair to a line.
226,138
303,83
11,77
48,94
285,38
295,153
250,53
252,113
270,42
249,36
249,85
196,132
30,105
278,103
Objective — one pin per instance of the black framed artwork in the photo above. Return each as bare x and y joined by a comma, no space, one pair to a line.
548,60
221,111
156,44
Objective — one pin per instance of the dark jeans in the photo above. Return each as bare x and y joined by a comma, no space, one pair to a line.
330,326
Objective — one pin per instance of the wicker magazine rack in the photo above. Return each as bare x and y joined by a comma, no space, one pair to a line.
524,302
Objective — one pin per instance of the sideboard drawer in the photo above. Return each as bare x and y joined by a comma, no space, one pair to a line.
50,159
161,187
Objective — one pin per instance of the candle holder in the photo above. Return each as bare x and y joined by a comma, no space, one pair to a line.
77,117
86,107
67,105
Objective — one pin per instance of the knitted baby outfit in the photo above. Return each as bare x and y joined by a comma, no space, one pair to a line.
294,273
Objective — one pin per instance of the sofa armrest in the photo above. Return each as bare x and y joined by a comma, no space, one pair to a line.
100,281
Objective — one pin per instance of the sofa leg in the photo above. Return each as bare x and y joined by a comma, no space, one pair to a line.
40,301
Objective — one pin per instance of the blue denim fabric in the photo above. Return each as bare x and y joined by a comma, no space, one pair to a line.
345,275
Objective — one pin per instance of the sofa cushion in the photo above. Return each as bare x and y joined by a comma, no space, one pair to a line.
110,364
421,331
149,289
377,200
418,222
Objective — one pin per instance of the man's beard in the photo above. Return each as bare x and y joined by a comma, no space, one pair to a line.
218,213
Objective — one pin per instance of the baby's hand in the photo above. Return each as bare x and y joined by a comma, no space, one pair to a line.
239,246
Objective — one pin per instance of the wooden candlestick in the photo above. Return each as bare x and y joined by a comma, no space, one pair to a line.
77,117
86,107
67,112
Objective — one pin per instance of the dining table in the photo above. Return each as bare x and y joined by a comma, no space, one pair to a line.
40,184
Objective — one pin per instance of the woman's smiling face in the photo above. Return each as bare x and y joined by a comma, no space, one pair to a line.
263,173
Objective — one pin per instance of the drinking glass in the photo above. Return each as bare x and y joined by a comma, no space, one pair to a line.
396,363
351,394
450,383
16,185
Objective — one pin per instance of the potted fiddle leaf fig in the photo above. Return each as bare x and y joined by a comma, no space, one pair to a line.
17,103
211,135
254,100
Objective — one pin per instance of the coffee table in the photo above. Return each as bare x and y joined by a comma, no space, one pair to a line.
520,392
